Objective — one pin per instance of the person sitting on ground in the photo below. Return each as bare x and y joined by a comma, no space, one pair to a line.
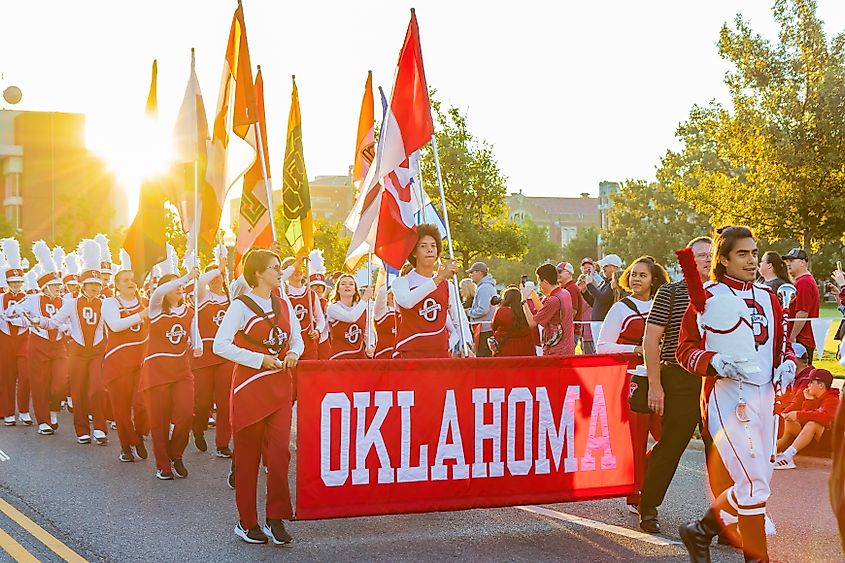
807,417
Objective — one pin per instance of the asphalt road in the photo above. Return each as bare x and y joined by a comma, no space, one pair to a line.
104,510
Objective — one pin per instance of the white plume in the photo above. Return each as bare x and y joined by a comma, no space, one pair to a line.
44,257
4,265
25,263
105,251
190,261
170,265
220,251
72,261
90,253
12,251
125,260
30,280
156,271
59,258
316,264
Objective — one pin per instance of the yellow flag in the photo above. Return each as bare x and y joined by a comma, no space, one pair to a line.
297,220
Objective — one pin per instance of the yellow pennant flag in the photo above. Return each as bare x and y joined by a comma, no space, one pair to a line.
297,220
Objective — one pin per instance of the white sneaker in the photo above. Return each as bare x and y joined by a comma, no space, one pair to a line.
783,462
84,439
45,429
25,418
9,421
101,437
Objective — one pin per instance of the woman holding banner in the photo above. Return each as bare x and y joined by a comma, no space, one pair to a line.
349,322
427,303
261,335
622,332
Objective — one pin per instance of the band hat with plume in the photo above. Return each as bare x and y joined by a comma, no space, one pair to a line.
317,267
73,269
170,265
59,259
90,251
30,281
25,263
220,252
105,253
125,261
49,271
4,267
12,252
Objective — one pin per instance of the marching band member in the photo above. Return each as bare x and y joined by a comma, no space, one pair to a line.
349,321
47,349
71,279
317,277
166,378
126,317
739,393
212,373
86,347
384,313
14,380
306,306
427,302
105,264
261,335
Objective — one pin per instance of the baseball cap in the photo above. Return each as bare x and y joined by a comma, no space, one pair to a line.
818,374
586,260
800,351
611,260
478,267
795,254
566,266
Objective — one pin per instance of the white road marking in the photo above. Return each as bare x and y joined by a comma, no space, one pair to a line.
4,456
610,528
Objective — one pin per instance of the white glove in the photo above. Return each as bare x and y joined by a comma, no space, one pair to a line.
526,293
784,374
725,366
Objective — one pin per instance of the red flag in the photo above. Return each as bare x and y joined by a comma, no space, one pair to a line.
410,103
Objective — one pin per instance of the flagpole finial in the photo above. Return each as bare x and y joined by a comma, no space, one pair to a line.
413,12
259,68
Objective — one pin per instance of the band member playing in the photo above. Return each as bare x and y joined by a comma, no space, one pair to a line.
384,313
212,373
47,349
739,391
427,302
86,347
166,378
14,381
306,305
126,318
261,335
352,337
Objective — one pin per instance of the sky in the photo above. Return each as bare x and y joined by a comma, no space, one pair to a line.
569,94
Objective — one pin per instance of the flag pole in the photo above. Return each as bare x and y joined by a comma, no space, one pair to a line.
448,235
264,173
370,302
308,293
195,328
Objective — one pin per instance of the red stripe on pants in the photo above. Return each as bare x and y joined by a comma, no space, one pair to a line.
47,373
274,432
213,384
171,402
641,426
13,376
86,388
130,412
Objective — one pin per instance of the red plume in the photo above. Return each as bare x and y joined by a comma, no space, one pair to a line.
697,295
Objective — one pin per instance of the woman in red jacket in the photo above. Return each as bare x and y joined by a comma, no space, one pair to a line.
510,327
166,378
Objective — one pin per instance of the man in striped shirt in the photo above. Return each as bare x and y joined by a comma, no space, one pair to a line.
673,392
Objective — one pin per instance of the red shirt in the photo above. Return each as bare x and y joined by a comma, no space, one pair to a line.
806,300
512,343
820,410
575,293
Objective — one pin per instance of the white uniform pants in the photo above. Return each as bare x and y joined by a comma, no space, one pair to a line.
746,447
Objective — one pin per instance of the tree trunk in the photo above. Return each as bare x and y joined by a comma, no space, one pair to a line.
807,240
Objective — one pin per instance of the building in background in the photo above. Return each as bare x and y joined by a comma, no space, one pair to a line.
331,198
563,217
53,188
606,192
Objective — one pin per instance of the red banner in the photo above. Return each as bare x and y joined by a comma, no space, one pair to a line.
399,436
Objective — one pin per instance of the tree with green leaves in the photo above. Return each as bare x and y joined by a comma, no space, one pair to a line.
585,244
539,250
774,160
646,218
331,238
475,190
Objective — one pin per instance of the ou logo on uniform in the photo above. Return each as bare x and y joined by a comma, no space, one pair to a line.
275,340
89,316
299,311
175,334
50,308
429,309
218,317
353,333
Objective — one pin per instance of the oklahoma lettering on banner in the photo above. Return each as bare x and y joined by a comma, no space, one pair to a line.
400,436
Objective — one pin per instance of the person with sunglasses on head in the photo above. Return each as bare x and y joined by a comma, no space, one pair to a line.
261,335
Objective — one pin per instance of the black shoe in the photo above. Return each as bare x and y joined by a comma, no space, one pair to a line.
648,521
141,449
230,479
126,456
179,468
199,442
253,535
224,452
698,535
275,530
164,475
